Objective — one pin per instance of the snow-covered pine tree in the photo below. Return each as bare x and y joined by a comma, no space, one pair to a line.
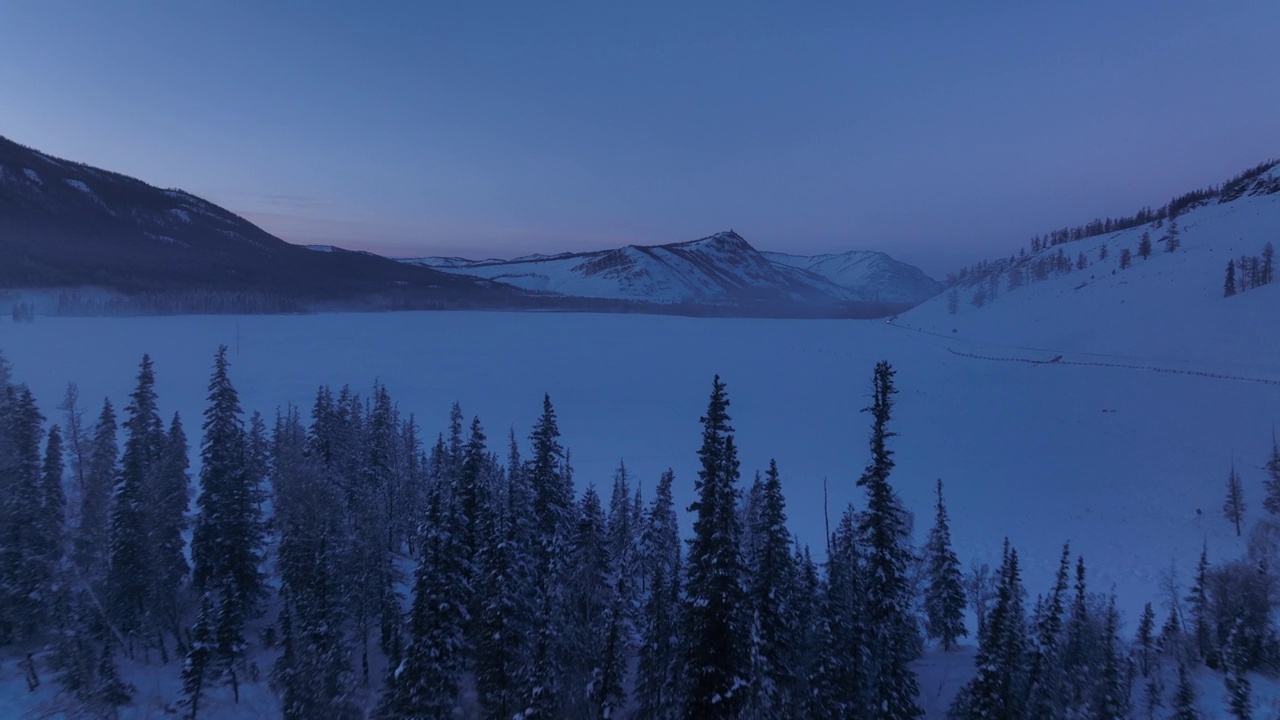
1000,684
313,674
552,488
169,496
53,503
657,678
1114,686
772,582
25,575
841,687
425,684
505,588
1046,681
1184,697
1236,678
716,639
944,601
197,667
1233,506
226,546
1144,645
1198,603
885,533
132,570
1272,500
92,532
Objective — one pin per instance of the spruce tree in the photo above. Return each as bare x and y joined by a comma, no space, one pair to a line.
197,666
132,569
944,601
842,688
1198,599
425,684
1184,697
53,505
25,575
1046,681
773,589
1233,506
505,587
1144,246
716,640
1272,500
312,674
1144,647
885,532
657,678
226,546
1229,286
998,688
170,495
552,489
90,546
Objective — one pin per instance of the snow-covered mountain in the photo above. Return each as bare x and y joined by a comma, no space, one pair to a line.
873,275
723,269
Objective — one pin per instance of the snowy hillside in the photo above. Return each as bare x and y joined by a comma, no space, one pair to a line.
720,269
873,275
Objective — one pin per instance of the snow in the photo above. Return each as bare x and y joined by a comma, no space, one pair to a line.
181,215
32,176
321,248
1122,447
712,269
78,185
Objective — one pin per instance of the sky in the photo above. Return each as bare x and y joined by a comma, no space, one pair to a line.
940,132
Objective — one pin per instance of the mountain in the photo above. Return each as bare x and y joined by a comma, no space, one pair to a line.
68,225
719,270
873,276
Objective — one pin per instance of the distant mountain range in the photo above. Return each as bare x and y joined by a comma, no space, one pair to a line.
723,269
68,226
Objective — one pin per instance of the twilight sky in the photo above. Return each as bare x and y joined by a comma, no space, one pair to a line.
940,132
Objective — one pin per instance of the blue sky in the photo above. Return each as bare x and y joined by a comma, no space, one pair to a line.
941,133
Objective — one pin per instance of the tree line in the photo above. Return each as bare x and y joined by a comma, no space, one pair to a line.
374,575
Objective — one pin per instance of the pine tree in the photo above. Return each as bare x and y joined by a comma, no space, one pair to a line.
1233,506
1198,599
197,665
552,489
90,546
842,684
505,577
1268,263
944,601
1229,287
1272,501
998,688
132,567
1047,686
1144,246
885,532
1126,258
716,641
1184,697
53,505
1171,239
657,681
1236,678
1113,701
24,569
226,546
313,674
773,585
1145,647
170,495
425,684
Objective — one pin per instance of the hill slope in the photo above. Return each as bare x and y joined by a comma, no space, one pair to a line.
64,224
